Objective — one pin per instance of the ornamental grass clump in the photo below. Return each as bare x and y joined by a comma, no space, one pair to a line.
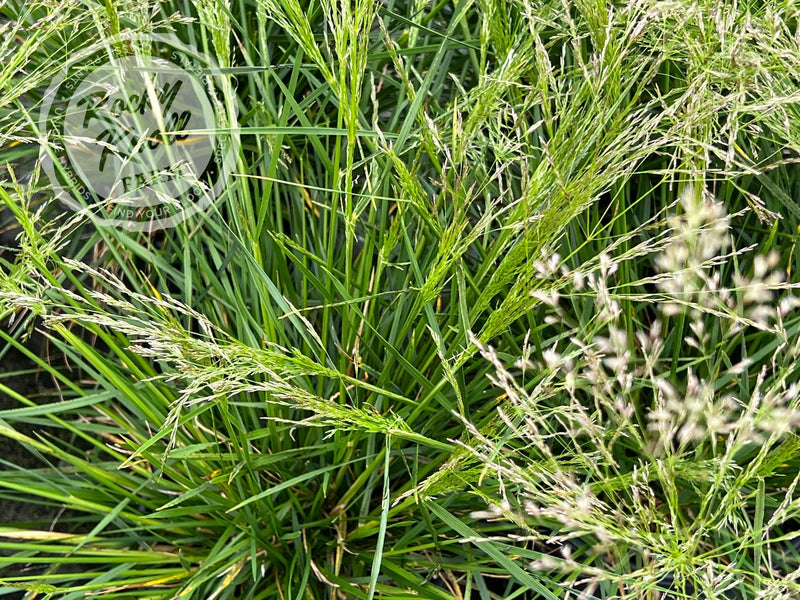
494,301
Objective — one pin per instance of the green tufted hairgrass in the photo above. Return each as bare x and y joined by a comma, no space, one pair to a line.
373,368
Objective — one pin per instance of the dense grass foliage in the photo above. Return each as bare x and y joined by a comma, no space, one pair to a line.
497,304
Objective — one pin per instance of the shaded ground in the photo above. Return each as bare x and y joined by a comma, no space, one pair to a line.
25,381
